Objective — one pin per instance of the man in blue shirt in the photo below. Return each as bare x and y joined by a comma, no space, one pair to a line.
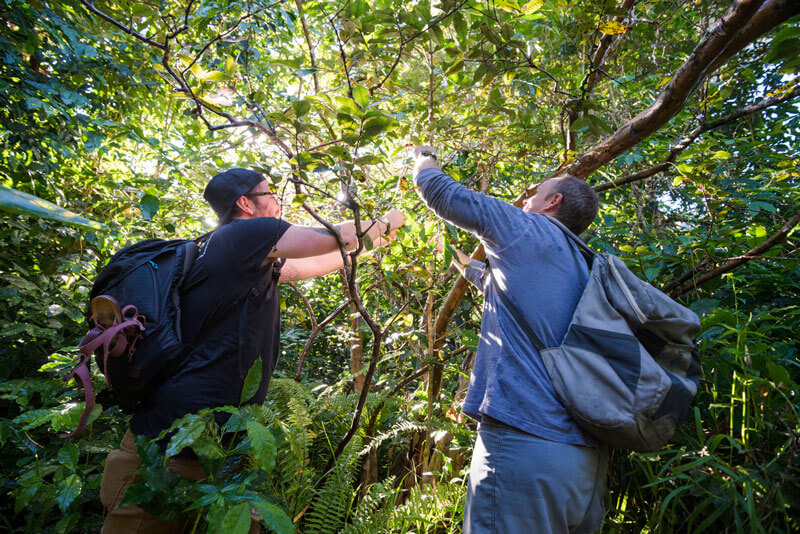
533,469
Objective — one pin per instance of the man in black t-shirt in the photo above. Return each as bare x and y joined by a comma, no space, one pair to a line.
231,312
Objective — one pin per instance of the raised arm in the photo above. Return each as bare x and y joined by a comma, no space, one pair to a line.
487,217
306,241
302,268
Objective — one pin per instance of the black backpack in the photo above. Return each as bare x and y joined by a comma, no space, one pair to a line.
135,322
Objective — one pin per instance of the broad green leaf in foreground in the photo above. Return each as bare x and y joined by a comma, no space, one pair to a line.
14,201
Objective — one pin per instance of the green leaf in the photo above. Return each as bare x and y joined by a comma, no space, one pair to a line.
274,517
375,126
778,374
149,206
347,121
208,447
68,489
237,519
138,494
361,95
652,273
230,66
263,443
720,154
532,7
347,106
14,201
460,25
189,429
786,49
252,382
68,456
301,107
24,494
455,67
436,35
758,205
758,231
198,71
215,76
298,200
491,34
580,123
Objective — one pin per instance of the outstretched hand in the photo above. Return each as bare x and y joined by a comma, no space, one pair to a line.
424,158
397,219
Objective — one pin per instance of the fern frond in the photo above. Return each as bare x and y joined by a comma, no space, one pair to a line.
332,503
434,508
398,428
346,402
284,390
296,475
373,513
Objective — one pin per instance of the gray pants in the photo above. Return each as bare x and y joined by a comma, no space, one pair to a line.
519,483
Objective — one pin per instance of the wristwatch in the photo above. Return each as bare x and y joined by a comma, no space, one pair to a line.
385,220
429,154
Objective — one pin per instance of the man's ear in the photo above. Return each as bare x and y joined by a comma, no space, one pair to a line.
244,204
554,202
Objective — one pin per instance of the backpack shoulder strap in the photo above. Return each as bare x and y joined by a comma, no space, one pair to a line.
587,252
512,308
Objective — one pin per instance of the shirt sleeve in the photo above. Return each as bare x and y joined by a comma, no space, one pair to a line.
474,272
248,242
487,217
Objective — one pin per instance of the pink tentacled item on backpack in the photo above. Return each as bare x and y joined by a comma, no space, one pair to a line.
116,331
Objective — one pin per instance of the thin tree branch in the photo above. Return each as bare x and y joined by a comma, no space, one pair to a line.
317,329
90,6
404,42
310,45
222,35
419,373
607,45
776,238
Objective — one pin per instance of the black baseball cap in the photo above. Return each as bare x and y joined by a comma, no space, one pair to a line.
225,188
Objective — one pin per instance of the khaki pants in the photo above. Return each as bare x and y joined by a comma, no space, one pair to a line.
120,473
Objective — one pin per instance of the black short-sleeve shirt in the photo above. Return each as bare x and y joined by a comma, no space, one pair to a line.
231,310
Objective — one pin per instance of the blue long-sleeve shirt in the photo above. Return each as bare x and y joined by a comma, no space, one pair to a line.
544,274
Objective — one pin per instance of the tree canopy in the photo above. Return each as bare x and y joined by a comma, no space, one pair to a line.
681,114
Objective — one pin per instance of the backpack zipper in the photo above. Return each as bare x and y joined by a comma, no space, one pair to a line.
157,300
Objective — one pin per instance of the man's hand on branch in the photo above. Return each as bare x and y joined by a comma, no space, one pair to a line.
381,231
396,218
347,230
388,225
425,157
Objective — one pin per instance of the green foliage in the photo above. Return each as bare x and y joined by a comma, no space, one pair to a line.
332,502
435,509
22,203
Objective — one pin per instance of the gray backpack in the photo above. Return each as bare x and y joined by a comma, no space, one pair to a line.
627,369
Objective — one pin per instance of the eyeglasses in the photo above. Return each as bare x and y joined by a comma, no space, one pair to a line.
260,194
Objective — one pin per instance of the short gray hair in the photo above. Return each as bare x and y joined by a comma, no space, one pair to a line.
579,203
